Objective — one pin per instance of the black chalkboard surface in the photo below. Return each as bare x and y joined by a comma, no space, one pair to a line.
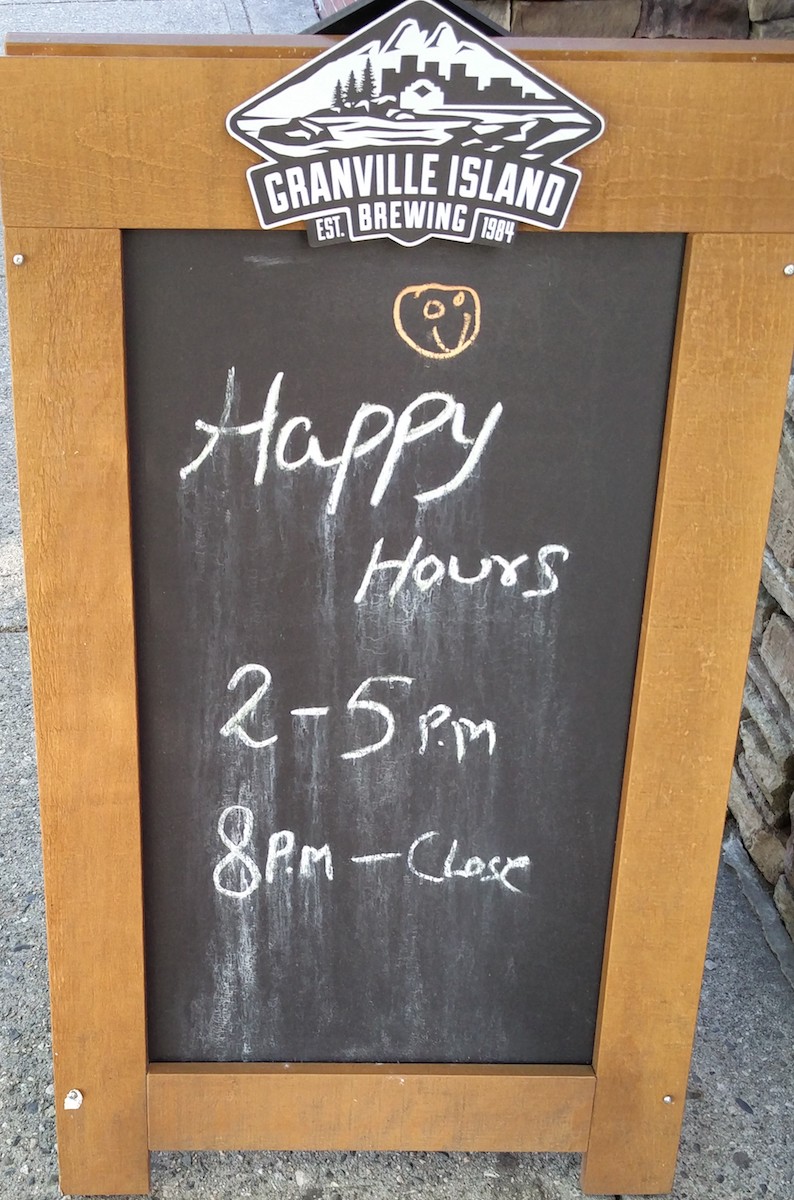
391,521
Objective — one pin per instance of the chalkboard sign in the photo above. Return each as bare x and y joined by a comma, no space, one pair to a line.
389,607
391,514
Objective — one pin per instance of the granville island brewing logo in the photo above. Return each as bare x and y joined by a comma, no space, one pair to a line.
415,127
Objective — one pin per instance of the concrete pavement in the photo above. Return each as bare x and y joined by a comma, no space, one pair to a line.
740,1107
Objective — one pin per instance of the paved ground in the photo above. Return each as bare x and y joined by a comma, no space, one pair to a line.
740,1108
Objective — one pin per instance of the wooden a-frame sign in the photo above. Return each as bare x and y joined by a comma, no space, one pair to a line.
102,137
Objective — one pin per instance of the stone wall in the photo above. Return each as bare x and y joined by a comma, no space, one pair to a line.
631,18
762,785
641,18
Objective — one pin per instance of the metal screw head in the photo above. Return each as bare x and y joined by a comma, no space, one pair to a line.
788,269
73,1099
18,260
667,1099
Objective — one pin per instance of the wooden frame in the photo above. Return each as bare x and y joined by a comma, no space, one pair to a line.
697,141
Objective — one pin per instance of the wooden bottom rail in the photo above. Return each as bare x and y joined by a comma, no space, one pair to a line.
310,1106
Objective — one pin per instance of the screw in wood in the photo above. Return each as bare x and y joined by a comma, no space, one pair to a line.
667,1099
18,260
73,1099
788,269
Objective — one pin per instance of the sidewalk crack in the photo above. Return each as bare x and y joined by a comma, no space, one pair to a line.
247,16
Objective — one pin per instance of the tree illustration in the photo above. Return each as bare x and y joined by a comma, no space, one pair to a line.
338,101
368,82
351,91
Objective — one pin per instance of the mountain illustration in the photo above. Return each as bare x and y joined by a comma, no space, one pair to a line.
420,79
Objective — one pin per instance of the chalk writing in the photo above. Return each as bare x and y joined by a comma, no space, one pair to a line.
465,730
233,727
427,860
237,815
472,868
281,850
436,320
356,704
295,446
427,572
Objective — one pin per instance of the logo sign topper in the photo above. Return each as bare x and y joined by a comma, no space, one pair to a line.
415,127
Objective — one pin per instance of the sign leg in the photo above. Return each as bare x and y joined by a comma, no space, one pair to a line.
65,301
728,382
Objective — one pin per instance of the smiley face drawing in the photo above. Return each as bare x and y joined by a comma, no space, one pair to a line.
437,320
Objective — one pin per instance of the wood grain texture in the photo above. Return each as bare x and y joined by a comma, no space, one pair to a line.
728,384
691,144
303,46
170,45
68,367
306,1106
